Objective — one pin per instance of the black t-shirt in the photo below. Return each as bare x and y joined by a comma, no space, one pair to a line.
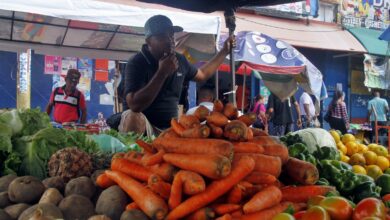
140,70
282,110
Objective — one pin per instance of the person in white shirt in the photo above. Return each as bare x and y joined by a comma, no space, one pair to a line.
308,112
205,98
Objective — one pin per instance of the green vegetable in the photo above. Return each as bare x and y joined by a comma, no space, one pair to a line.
80,140
384,182
323,182
290,210
316,136
12,119
366,190
11,164
296,149
326,153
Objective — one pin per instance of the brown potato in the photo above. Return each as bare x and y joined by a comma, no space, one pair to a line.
4,215
54,182
81,186
99,217
112,202
134,214
15,210
25,189
5,181
47,210
51,195
4,200
76,207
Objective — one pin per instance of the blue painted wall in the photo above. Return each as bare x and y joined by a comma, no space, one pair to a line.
8,69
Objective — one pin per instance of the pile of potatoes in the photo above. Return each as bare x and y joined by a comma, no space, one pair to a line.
28,198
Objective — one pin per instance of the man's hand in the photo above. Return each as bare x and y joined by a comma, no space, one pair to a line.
168,64
299,122
230,41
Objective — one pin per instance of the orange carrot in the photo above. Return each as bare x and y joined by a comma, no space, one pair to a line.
230,111
266,198
222,209
214,190
158,186
303,193
264,163
237,214
134,157
276,150
201,113
213,166
151,204
104,182
225,217
247,147
248,118
165,170
152,159
216,132
189,121
236,131
250,134
177,127
235,195
134,170
258,132
202,131
217,119
301,171
263,140
194,146
189,182
118,155
267,214
147,147
260,178
131,206
202,214
168,133
218,106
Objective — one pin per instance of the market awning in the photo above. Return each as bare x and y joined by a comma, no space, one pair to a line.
318,35
370,40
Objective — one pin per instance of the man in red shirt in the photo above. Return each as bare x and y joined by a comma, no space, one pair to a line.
68,102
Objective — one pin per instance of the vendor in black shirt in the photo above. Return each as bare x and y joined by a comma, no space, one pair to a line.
155,76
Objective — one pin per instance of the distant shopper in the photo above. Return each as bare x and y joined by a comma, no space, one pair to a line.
381,108
205,98
281,115
308,111
338,113
68,102
260,110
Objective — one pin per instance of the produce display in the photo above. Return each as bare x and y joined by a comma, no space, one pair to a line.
210,165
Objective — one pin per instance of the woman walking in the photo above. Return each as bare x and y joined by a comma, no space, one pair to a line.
338,113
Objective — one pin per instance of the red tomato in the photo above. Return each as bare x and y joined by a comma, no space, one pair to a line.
298,215
369,207
386,198
317,213
337,207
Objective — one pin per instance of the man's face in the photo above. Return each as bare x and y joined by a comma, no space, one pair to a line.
71,82
163,43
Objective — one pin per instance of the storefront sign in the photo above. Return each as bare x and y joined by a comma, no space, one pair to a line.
24,71
377,72
53,64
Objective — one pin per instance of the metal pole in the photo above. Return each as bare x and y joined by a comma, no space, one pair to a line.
243,91
217,85
230,21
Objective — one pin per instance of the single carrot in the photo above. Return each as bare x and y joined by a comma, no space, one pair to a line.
225,217
151,204
235,195
237,214
263,140
202,214
132,169
264,163
266,198
147,147
218,106
301,171
222,209
104,182
216,189
194,146
177,127
168,133
250,134
165,170
248,118
267,214
131,206
260,178
217,119
236,131
134,157
201,113
189,182
158,186
276,150
189,121
230,111
216,132
152,159
303,193
202,131
213,166
258,132
247,147
251,191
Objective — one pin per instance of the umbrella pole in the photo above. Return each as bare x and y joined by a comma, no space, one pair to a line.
230,21
217,85
243,91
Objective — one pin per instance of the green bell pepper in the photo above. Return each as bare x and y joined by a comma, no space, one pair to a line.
366,190
296,149
326,153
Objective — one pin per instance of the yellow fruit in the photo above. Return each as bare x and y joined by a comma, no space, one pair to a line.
362,148
371,147
382,162
335,136
357,159
359,169
381,151
344,158
370,157
342,147
374,171
347,138
352,148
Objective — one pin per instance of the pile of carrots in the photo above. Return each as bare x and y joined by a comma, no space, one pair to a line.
213,165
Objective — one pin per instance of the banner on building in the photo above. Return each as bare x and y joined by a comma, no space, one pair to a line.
68,63
376,72
84,65
53,65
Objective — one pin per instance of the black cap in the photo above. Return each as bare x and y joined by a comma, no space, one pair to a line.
159,24
73,75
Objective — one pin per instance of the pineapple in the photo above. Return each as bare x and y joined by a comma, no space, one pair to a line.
70,163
